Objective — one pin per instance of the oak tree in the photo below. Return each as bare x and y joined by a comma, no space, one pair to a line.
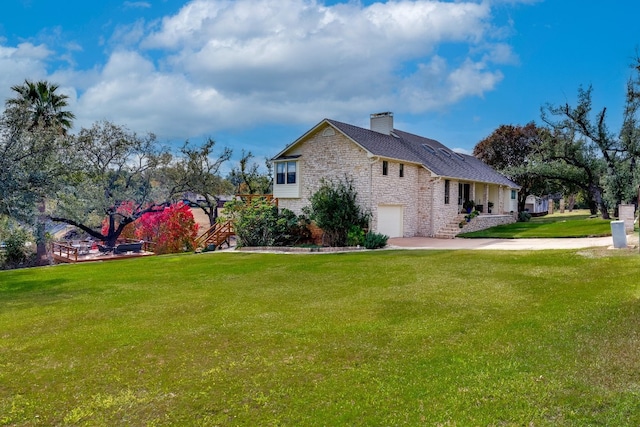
112,168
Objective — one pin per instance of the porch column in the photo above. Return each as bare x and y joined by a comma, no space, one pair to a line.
485,199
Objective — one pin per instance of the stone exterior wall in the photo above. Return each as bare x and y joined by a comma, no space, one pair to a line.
391,189
441,212
426,184
331,157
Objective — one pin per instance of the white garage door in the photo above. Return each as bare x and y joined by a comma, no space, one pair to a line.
390,220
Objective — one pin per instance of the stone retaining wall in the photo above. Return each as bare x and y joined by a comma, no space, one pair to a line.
483,222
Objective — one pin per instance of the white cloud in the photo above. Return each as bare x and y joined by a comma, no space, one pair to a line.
136,5
472,78
25,61
223,64
462,151
290,57
130,91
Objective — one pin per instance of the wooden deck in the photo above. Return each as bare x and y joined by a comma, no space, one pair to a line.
74,253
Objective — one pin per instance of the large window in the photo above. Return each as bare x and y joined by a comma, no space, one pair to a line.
286,173
513,194
291,172
447,191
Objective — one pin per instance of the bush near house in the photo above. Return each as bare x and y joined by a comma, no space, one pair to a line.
370,240
258,222
375,240
335,210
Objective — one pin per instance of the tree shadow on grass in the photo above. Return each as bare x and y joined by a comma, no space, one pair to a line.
30,292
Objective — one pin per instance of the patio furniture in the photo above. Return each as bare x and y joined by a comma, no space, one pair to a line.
104,249
123,248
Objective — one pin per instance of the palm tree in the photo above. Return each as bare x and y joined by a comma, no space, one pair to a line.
45,106
46,110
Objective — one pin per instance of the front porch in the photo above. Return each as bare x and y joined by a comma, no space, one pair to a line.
488,199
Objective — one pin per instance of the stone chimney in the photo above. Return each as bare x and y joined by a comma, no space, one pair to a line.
382,122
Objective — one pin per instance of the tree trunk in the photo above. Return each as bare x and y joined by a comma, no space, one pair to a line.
41,240
112,236
212,214
522,199
604,210
572,202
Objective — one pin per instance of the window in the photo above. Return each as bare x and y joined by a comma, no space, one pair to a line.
280,168
513,194
401,172
286,173
328,132
291,172
385,167
447,190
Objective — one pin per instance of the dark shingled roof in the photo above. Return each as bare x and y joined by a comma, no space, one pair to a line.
435,157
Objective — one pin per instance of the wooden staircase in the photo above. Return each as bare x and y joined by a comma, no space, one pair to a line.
215,236
452,229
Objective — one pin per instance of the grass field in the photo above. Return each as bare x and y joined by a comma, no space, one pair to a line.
571,224
369,338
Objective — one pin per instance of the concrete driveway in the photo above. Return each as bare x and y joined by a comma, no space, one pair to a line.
506,244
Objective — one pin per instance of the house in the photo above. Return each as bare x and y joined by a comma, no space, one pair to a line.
537,206
411,185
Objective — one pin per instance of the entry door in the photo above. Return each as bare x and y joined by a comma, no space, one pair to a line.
464,193
390,220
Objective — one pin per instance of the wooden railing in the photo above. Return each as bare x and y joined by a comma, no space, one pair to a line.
64,250
216,235
220,233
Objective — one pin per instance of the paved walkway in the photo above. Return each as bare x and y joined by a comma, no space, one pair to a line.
506,244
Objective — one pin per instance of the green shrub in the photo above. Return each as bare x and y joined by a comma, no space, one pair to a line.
375,240
259,223
471,215
524,216
335,209
355,236
291,229
14,253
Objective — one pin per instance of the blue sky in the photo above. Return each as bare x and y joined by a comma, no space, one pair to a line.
257,74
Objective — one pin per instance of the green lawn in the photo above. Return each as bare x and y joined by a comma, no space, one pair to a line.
380,338
575,224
